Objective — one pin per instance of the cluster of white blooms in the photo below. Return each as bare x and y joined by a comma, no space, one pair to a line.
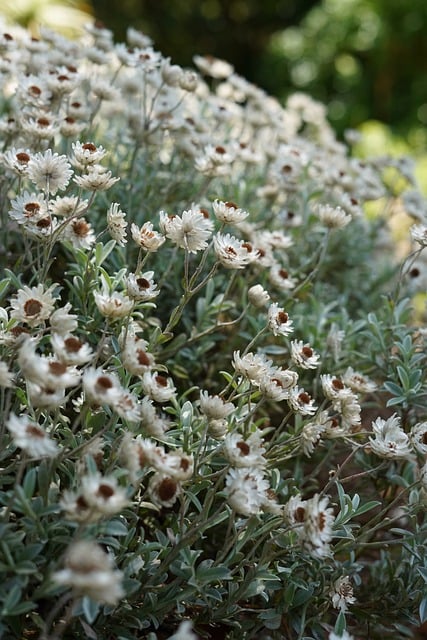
112,242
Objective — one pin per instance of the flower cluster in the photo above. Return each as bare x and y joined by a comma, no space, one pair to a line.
204,344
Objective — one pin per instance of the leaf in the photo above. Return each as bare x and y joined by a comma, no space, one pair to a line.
29,483
90,609
423,610
340,624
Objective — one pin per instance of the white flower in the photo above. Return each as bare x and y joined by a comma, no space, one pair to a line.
142,287
146,238
302,402
6,377
419,234
163,490
390,440
213,67
418,437
344,636
16,160
70,350
246,490
184,632
318,523
233,253
80,233
103,494
136,358
89,572
280,277
332,217
116,223
303,355
31,437
86,154
28,207
253,366
278,385
358,382
342,593
44,397
33,305
101,387
63,322
278,321
97,178
247,452
49,171
115,305
311,432
44,371
214,407
158,387
191,231
67,206
229,212
258,296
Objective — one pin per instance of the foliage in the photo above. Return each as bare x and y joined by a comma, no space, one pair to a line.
212,378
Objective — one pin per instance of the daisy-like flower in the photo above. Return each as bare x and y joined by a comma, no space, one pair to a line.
86,154
44,397
312,431
158,387
136,358
97,178
62,321
16,160
303,355
342,594
67,206
258,296
278,321
114,305
176,464
45,371
246,490
332,217
28,207
31,437
253,366
281,278
70,350
101,387
318,523
142,287
229,212
214,407
116,223
390,441
233,253
301,402
150,421
6,376
245,453
163,490
190,231
89,572
213,67
33,305
146,238
49,171
80,233
103,494
277,386
418,437
419,234
358,382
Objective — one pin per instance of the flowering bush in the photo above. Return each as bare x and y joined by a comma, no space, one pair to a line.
213,395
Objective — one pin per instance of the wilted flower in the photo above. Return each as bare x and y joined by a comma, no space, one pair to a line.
342,593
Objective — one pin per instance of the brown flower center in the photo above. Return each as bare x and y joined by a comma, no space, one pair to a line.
32,307
34,431
72,344
81,228
167,489
89,146
307,352
161,381
105,491
103,383
143,283
22,157
57,368
244,448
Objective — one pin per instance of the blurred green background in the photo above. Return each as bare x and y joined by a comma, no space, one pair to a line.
365,59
